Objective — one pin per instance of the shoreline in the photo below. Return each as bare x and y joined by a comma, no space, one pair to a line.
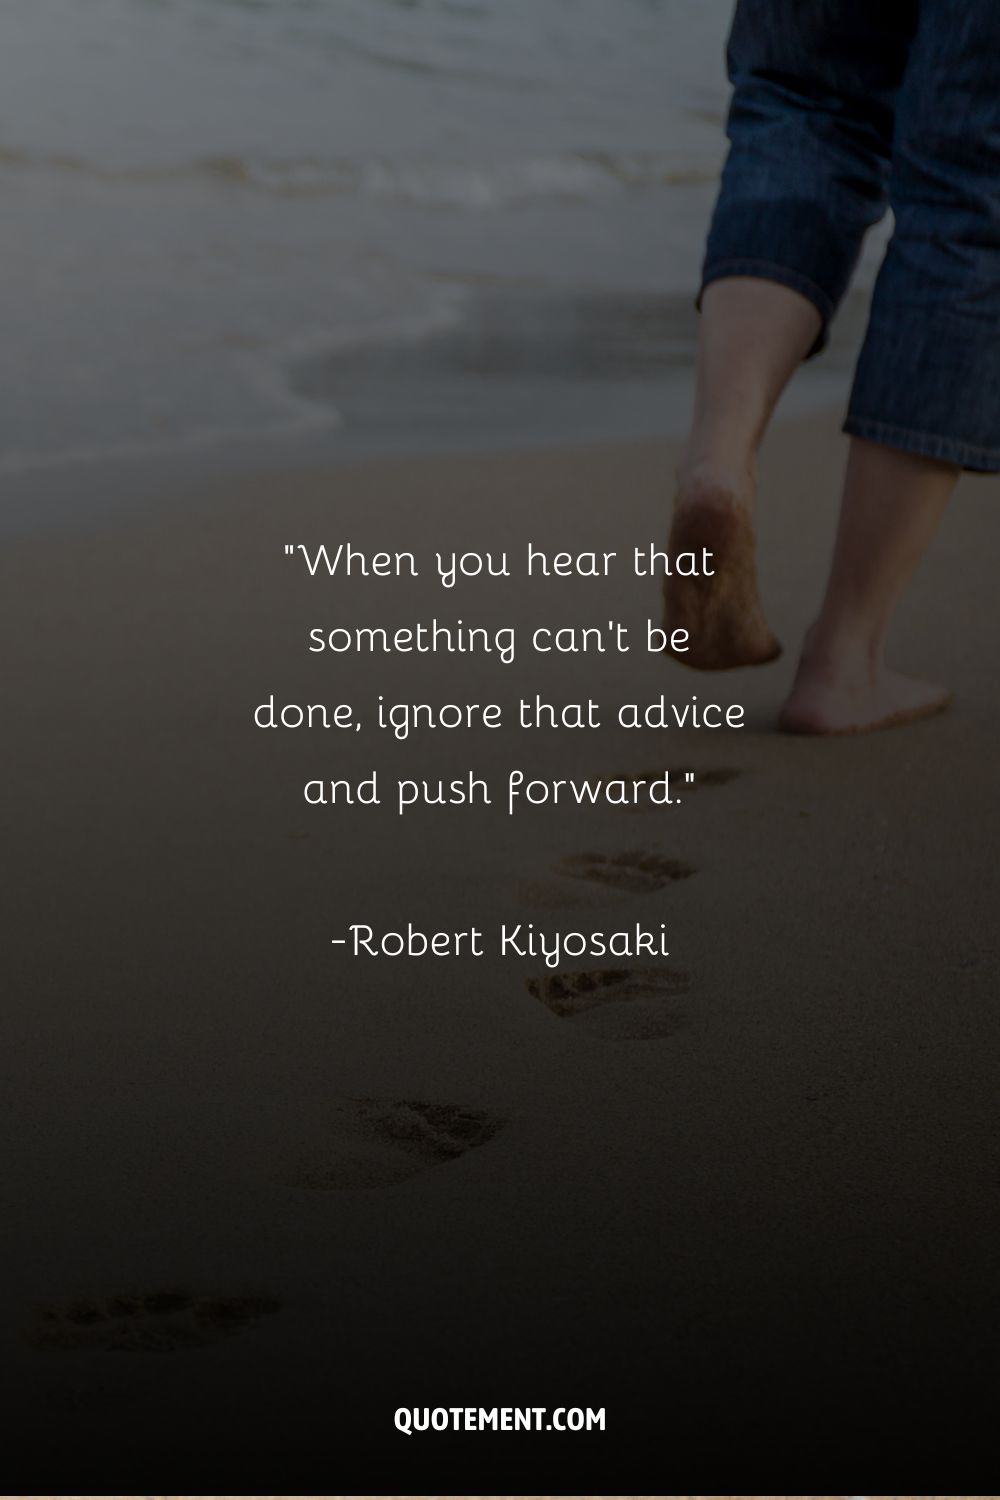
525,370
92,492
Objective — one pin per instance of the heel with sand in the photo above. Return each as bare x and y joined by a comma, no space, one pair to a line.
722,613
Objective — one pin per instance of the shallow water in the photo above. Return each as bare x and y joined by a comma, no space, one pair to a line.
339,218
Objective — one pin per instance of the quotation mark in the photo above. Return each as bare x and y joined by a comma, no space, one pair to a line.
289,549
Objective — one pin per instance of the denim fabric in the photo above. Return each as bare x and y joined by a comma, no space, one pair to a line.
842,108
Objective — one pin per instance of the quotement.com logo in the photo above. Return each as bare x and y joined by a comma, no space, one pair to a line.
414,1419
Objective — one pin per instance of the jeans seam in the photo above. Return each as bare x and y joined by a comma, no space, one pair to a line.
931,444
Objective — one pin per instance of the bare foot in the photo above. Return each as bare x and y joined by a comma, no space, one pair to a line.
722,614
830,698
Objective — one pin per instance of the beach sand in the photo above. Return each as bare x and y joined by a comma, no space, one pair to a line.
748,1201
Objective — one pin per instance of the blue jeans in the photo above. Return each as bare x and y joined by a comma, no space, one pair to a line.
842,108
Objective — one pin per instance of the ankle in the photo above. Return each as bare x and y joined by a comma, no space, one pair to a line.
716,479
835,651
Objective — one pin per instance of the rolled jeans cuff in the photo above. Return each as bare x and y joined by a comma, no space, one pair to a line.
927,383
789,241
975,459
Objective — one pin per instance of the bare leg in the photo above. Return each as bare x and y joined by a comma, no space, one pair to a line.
754,335
892,504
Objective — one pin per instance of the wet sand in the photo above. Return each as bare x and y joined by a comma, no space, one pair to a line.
262,1193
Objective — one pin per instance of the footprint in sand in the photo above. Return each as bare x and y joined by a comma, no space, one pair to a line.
384,1141
636,870
623,1003
154,1322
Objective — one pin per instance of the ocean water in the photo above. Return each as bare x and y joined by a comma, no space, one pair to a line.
376,223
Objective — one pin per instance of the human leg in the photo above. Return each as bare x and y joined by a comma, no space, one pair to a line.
926,397
891,507
810,129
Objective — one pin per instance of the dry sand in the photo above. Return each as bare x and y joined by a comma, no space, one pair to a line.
751,1199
